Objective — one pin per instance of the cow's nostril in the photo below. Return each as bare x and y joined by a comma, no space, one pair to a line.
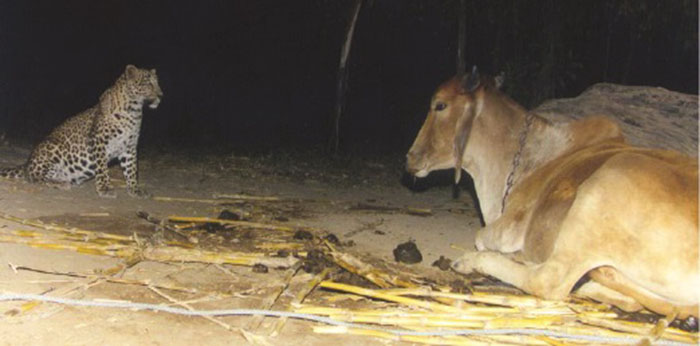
412,162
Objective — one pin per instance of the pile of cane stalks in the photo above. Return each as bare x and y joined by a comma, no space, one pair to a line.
391,300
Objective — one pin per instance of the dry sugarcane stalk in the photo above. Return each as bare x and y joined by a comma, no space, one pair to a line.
385,209
173,254
510,340
485,314
533,304
95,238
246,197
161,223
248,224
109,279
521,301
551,341
541,322
425,319
182,199
114,250
373,275
189,200
279,246
417,320
48,227
270,300
579,329
639,329
94,214
553,322
199,200
365,270
300,298
188,307
377,294
158,254
419,211
428,340
180,226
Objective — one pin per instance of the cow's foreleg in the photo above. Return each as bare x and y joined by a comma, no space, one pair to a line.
494,264
549,280
503,235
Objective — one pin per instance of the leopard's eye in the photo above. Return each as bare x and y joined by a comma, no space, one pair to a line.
440,106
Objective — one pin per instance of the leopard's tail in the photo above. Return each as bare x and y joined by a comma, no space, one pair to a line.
13,173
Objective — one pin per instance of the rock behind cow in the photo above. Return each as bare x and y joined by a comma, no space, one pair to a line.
649,116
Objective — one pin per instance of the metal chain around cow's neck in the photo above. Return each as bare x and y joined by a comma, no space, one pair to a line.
516,159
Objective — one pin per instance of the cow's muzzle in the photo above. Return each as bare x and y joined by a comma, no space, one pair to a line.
415,165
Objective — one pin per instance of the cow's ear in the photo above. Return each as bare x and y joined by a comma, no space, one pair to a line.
471,81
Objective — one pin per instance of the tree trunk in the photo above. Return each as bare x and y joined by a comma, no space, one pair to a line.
462,37
341,86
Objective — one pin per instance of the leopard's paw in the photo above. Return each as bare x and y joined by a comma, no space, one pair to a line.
106,193
139,193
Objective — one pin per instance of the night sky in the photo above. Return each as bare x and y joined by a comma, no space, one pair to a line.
260,75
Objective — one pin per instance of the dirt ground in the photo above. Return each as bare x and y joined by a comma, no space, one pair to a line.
361,200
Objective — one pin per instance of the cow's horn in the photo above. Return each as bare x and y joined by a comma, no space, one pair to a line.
472,80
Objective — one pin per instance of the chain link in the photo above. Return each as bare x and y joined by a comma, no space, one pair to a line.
516,159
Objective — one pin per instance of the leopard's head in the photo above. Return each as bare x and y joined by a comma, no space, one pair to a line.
143,83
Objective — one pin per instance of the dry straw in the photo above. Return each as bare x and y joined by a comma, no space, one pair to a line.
404,303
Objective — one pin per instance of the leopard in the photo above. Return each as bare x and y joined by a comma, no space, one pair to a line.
84,145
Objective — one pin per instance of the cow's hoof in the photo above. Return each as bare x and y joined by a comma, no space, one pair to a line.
465,264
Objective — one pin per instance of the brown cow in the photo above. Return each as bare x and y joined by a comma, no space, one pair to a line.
564,200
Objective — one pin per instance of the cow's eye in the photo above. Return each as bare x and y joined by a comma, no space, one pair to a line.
440,106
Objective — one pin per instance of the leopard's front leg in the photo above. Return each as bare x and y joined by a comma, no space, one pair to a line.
103,184
129,165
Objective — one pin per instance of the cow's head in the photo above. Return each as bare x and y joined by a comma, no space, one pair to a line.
442,139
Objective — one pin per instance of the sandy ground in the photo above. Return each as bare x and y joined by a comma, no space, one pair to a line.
332,196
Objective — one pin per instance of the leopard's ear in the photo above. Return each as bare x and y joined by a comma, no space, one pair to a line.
131,71
153,71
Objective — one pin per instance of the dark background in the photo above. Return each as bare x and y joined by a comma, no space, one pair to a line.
260,75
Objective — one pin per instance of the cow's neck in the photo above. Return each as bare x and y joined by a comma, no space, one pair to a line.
495,140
